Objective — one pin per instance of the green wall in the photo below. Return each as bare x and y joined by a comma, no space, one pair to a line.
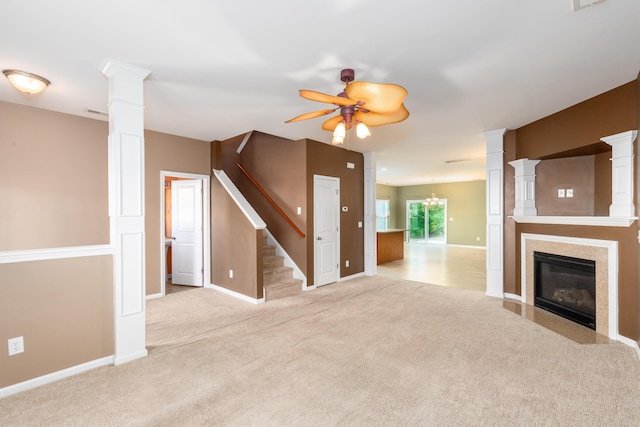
466,208
388,192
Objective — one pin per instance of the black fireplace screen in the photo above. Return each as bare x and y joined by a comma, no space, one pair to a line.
566,286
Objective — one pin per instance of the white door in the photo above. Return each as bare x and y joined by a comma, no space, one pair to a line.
326,219
186,225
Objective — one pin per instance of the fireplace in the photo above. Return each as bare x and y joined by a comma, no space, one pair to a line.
566,286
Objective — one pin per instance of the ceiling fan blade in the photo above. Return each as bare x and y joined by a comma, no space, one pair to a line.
377,97
323,97
311,115
331,124
372,119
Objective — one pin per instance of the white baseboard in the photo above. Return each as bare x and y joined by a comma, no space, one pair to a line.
353,276
153,296
513,297
237,294
631,343
54,376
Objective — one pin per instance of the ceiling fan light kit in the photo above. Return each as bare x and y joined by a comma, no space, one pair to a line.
361,104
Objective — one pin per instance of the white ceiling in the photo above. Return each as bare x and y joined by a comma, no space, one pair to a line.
222,68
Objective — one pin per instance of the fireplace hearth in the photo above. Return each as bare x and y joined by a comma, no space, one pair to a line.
566,286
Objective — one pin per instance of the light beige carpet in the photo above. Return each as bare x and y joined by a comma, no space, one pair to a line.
370,351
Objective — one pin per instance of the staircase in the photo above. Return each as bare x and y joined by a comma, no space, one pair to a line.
278,280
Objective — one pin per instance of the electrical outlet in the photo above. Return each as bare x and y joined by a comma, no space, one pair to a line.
346,263
16,345
569,192
560,193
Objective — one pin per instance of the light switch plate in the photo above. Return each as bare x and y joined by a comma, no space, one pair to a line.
569,192
560,193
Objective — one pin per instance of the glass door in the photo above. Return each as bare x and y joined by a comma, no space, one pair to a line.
416,220
437,224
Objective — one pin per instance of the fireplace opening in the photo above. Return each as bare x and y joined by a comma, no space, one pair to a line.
566,286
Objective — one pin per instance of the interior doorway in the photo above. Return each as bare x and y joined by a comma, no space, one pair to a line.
196,216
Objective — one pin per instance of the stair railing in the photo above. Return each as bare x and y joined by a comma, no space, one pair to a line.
273,203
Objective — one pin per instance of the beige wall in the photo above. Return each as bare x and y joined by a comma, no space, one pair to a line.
166,153
466,209
64,310
53,187
53,179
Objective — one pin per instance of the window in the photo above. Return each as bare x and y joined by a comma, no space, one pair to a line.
382,215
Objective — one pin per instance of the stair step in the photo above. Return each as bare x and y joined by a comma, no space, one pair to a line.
277,274
282,289
272,261
277,279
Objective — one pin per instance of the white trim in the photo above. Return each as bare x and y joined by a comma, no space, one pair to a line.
338,216
495,212
240,200
288,262
154,296
237,294
54,376
466,246
513,297
244,141
8,257
612,260
206,227
603,221
353,276
631,343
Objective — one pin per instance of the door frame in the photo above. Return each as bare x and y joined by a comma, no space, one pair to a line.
315,231
206,227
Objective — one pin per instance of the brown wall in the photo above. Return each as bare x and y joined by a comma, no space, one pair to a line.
509,240
53,179
166,153
278,165
574,130
328,160
235,245
576,173
583,124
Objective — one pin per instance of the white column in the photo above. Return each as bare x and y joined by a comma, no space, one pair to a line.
495,212
126,206
622,173
525,177
370,264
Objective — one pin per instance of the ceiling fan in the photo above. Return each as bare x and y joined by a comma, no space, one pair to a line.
361,104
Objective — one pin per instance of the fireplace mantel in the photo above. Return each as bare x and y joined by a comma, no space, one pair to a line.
601,221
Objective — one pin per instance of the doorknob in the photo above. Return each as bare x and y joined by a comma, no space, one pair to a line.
319,238
173,237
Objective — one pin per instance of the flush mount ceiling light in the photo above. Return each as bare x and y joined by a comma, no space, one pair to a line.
27,83
361,104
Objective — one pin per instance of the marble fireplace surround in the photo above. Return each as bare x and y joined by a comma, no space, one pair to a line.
603,252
